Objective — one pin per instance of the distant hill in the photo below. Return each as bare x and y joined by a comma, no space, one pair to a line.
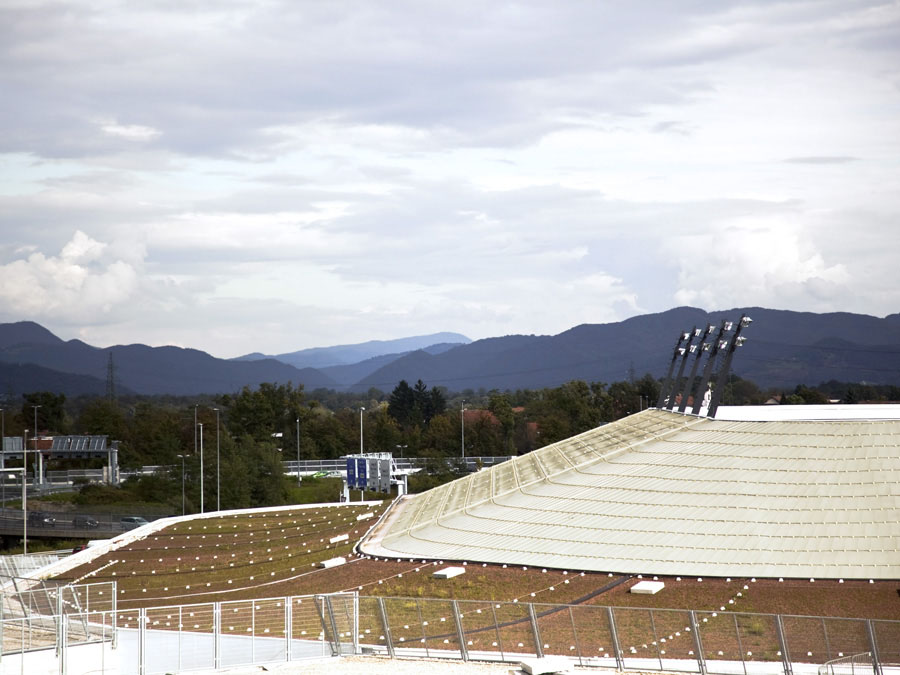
25,378
783,349
342,355
146,370
349,374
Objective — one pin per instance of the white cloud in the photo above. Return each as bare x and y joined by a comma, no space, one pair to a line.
75,286
131,132
770,263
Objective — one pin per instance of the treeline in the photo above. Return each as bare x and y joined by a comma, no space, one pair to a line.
253,430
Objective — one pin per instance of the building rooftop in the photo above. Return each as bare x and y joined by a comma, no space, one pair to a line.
671,494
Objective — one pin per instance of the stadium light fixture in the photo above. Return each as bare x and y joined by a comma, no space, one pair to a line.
724,371
683,352
666,383
698,350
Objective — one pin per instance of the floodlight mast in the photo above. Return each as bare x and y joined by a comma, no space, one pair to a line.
719,391
667,382
707,370
703,346
684,352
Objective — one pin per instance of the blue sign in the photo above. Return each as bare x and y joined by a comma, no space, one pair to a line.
351,471
361,473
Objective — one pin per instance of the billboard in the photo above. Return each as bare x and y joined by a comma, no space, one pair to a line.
369,473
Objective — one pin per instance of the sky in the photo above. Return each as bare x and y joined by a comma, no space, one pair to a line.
239,176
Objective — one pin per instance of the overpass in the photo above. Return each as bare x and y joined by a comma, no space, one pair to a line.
64,525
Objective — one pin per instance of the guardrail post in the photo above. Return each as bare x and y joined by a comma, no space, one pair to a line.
463,652
217,634
698,644
355,622
785,654
142,641
288,628
873,646
63,638
535,632
386,627
115,616
59,620
620,662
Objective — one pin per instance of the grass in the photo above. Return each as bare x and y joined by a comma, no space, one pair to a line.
236,559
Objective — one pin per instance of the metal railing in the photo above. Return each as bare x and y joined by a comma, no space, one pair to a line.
182,637
858,664
244,632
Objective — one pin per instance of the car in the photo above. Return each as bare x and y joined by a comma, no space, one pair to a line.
41,519
80,547
84,522
131,522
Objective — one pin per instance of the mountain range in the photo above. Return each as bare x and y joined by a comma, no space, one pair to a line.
783,348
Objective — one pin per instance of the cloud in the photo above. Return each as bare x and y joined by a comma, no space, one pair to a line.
772,263
76,286
821,160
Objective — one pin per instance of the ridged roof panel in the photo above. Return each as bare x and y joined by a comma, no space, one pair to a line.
663,493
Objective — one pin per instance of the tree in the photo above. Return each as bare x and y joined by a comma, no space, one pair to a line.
401,403
502,410
415,406
51,411
271,408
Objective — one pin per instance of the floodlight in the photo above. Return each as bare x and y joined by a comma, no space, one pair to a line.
693,348
729,325
697,332
706,346
685,336
746,321
740,341
681,351
723,344
710,328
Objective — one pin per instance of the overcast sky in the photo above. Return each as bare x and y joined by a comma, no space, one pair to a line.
243,176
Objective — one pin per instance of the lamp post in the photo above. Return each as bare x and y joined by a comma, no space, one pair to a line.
182,481
298,451
201,467
462,427
24,508
361,411
3,455
35,479
24,452
401,448
218,484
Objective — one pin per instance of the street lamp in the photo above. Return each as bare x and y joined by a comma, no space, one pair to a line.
3,454
34,477
361,411
201,467
24,508
462,433
298,451
401,448
182,481
218,484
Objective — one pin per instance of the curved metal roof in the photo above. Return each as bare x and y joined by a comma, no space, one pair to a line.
664,493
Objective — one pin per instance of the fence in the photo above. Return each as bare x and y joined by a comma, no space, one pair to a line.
858,664
181,637
724,643
245,632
